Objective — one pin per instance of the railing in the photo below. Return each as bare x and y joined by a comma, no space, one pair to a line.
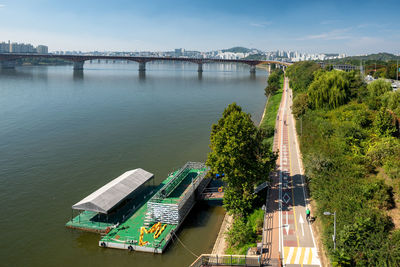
226,260
167,189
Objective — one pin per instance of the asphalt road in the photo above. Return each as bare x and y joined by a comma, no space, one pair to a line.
288,237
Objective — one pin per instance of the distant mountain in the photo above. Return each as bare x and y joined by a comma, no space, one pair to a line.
238,49
366,58
255,57
377,57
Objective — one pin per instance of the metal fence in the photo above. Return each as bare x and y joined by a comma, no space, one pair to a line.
226,260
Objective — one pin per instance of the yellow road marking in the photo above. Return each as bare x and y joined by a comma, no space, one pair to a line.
294,256
302,256
291,172
309,257
286,252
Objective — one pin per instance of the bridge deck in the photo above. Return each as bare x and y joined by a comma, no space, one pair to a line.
80,58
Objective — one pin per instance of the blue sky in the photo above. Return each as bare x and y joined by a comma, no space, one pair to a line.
351,27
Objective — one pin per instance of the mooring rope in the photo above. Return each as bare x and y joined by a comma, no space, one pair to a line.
185,246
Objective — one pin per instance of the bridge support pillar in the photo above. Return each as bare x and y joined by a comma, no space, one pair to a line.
78,65
7,64
142,66
252,69
269,68
200,67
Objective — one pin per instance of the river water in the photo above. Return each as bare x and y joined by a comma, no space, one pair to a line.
63,134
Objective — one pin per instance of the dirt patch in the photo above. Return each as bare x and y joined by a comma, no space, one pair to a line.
394,213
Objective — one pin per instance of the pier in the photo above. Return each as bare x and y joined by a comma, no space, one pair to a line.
150,219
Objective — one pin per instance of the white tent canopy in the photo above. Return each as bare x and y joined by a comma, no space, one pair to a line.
109,195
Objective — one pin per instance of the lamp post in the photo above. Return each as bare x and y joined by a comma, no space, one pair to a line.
334,227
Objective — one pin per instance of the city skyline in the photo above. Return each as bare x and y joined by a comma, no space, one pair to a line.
312,27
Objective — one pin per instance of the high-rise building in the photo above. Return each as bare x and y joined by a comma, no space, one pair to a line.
22,48
42,49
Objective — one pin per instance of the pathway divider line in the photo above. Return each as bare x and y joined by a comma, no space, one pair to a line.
300,167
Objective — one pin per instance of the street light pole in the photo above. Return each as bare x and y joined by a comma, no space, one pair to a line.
334,230
334,227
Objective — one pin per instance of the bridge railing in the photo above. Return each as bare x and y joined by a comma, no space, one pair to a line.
226,260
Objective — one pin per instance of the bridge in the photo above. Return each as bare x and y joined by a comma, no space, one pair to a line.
212,193
8,60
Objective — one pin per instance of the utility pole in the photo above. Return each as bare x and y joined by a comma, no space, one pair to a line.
334,226
361,69
397,71
334,230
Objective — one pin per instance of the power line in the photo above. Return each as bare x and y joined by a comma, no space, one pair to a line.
185,245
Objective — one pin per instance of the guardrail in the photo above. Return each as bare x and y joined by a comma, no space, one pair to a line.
226,260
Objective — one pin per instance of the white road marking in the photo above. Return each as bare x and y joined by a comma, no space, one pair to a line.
301,221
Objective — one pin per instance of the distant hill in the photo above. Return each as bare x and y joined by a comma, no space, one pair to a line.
366,58
255,57
238,49
378,57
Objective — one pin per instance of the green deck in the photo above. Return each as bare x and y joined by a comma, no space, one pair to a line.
93,222
87,220
129,231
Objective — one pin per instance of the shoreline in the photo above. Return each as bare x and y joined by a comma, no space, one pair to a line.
220,244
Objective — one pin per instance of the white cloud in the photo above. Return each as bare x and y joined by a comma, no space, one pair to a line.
329,22
337,34
1,5
261,24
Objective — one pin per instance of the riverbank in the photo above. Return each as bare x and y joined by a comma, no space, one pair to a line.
220,244
267,120
270,112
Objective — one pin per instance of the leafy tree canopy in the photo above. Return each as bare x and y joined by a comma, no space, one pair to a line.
301,74
329,89
383,123
378,87
238,151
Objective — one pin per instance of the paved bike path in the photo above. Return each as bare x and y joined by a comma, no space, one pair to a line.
288,234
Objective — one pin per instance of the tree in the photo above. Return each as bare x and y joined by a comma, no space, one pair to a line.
329,89
383,123
273,82
378,88
301,74
237,150
300,105
391,100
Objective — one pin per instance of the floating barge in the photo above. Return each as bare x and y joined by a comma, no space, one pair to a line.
150,215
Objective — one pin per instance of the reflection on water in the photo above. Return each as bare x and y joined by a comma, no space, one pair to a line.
142,75
78,75
63,134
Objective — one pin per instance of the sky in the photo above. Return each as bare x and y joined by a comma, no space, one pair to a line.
351,27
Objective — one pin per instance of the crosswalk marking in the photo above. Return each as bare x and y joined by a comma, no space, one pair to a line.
294,257
301,255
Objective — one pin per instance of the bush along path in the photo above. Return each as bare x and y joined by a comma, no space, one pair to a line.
349,137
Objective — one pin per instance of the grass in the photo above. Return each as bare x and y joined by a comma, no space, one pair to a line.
251,233
271,111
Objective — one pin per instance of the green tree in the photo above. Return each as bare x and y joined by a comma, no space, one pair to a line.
300,105
238,151
383,123
378,88
391,100
329,89
273,82
301,74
